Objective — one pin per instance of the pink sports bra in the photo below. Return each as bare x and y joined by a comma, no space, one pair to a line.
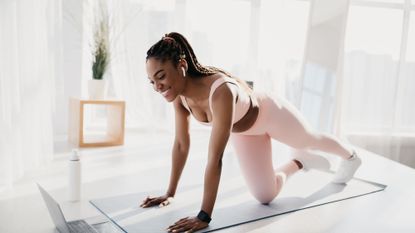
241,106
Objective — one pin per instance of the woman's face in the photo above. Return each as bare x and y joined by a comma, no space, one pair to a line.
166,79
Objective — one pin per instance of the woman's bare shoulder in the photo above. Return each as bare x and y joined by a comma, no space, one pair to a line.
178,105
224,92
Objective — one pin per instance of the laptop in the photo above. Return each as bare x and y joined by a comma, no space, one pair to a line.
76,226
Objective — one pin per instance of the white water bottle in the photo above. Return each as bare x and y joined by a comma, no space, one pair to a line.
74,189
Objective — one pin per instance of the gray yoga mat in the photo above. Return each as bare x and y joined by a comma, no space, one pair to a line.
234,205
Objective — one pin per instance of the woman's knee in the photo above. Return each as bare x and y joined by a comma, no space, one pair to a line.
265,199
268,194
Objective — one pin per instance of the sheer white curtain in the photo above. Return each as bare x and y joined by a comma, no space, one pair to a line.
261,41
28,66
379,78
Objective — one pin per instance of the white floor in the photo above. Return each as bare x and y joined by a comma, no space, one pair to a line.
143,163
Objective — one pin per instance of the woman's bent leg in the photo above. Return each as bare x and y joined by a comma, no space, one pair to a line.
255,159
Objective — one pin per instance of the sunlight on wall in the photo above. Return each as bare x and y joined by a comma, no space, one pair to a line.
282,37
378,34
221,37
283,31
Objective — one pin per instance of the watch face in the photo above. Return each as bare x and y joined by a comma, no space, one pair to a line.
203,216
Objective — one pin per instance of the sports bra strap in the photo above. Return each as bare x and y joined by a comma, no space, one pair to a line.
217,83
184,102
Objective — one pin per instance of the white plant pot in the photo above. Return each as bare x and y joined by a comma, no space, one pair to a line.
97,89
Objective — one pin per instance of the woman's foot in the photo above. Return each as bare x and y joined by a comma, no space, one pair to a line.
347,169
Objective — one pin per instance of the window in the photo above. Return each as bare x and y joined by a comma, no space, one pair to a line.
375,71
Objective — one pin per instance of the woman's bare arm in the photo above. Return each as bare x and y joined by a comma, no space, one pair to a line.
222,105
181,145
179,156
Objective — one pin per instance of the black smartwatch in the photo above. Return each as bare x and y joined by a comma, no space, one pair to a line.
204,217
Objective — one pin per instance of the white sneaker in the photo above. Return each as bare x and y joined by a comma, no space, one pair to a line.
347,169
312,161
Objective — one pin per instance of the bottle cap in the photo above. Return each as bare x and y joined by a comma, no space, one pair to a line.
74,155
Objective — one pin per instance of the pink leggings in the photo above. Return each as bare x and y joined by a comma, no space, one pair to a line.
280,120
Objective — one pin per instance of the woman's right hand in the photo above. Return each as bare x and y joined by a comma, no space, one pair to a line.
153,201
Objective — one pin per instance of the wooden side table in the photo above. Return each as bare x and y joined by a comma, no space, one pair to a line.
115,123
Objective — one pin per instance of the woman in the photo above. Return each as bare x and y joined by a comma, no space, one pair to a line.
235,112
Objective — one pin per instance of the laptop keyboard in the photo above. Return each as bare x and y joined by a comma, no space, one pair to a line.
80,226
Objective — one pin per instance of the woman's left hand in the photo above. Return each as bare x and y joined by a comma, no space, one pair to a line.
187,225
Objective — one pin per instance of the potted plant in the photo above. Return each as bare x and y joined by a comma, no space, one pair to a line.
97,86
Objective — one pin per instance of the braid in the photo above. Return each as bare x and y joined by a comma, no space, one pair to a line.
174,46
165,49
194,67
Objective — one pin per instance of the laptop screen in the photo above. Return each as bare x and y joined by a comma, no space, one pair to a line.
54,211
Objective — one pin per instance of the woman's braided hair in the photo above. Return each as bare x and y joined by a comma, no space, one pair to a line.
174,46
